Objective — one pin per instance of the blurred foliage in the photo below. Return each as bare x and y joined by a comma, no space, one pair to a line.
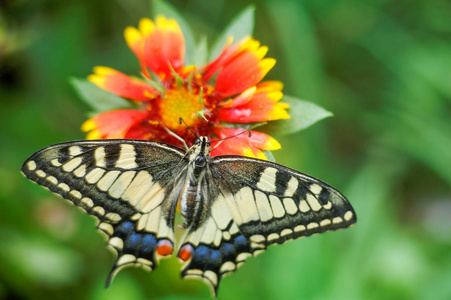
383,67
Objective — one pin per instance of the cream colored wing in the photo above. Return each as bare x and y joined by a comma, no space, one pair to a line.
127,185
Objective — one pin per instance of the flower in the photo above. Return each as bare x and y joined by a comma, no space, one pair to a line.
218,100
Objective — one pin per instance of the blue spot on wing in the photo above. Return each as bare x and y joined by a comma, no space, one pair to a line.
241,244
134,240
228,252
215,257
202,253
124,229
149,243
136,243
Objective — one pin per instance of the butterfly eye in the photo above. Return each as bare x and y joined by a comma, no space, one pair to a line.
197,141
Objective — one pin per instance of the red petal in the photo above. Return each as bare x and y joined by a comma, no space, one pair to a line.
113,124
139,131
120,84
243,144
158,45
228,53
244,70
263,106
241,99
233,147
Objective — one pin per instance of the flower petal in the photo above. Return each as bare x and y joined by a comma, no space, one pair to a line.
134,40
233,147
228,53
120,84
244,70
113,124
160,46
270,85
263,106
242,144
241,99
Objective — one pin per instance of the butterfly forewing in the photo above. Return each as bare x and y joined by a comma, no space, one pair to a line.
123,184
276,203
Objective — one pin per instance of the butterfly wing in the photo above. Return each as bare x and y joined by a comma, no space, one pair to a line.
276,203
250,204
127,185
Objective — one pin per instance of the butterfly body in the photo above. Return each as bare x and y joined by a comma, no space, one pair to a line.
198,160
232,207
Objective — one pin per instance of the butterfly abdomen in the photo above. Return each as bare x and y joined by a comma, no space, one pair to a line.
189,197
189,202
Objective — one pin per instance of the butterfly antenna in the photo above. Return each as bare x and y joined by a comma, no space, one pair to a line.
232,136
229,137
189,128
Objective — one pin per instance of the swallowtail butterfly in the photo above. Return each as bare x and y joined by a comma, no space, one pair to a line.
232,207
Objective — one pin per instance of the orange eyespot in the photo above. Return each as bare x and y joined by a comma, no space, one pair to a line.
186,252
164,248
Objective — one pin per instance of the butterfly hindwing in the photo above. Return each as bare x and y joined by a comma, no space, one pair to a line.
254,204
122,183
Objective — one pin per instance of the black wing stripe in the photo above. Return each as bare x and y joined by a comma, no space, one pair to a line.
111,155
301,205
281,182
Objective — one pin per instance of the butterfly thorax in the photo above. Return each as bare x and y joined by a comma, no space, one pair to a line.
198,157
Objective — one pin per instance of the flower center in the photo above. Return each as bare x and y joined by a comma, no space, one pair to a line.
179,103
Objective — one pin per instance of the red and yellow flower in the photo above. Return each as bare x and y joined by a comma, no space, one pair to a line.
217,100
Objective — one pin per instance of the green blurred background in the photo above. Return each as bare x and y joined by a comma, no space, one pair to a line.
383,67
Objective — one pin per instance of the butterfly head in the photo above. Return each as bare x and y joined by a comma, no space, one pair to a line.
203,140
199,153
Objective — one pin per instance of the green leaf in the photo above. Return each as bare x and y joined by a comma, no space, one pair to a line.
160,7
241,26
98,99
303,114
269,155
201,52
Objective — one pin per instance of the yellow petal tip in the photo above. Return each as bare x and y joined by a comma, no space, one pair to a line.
102,70
88,125
272,144
146,26
261,155
132,35
97,80
267,64
93,135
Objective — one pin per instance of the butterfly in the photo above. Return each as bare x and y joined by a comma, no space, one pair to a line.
232,207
